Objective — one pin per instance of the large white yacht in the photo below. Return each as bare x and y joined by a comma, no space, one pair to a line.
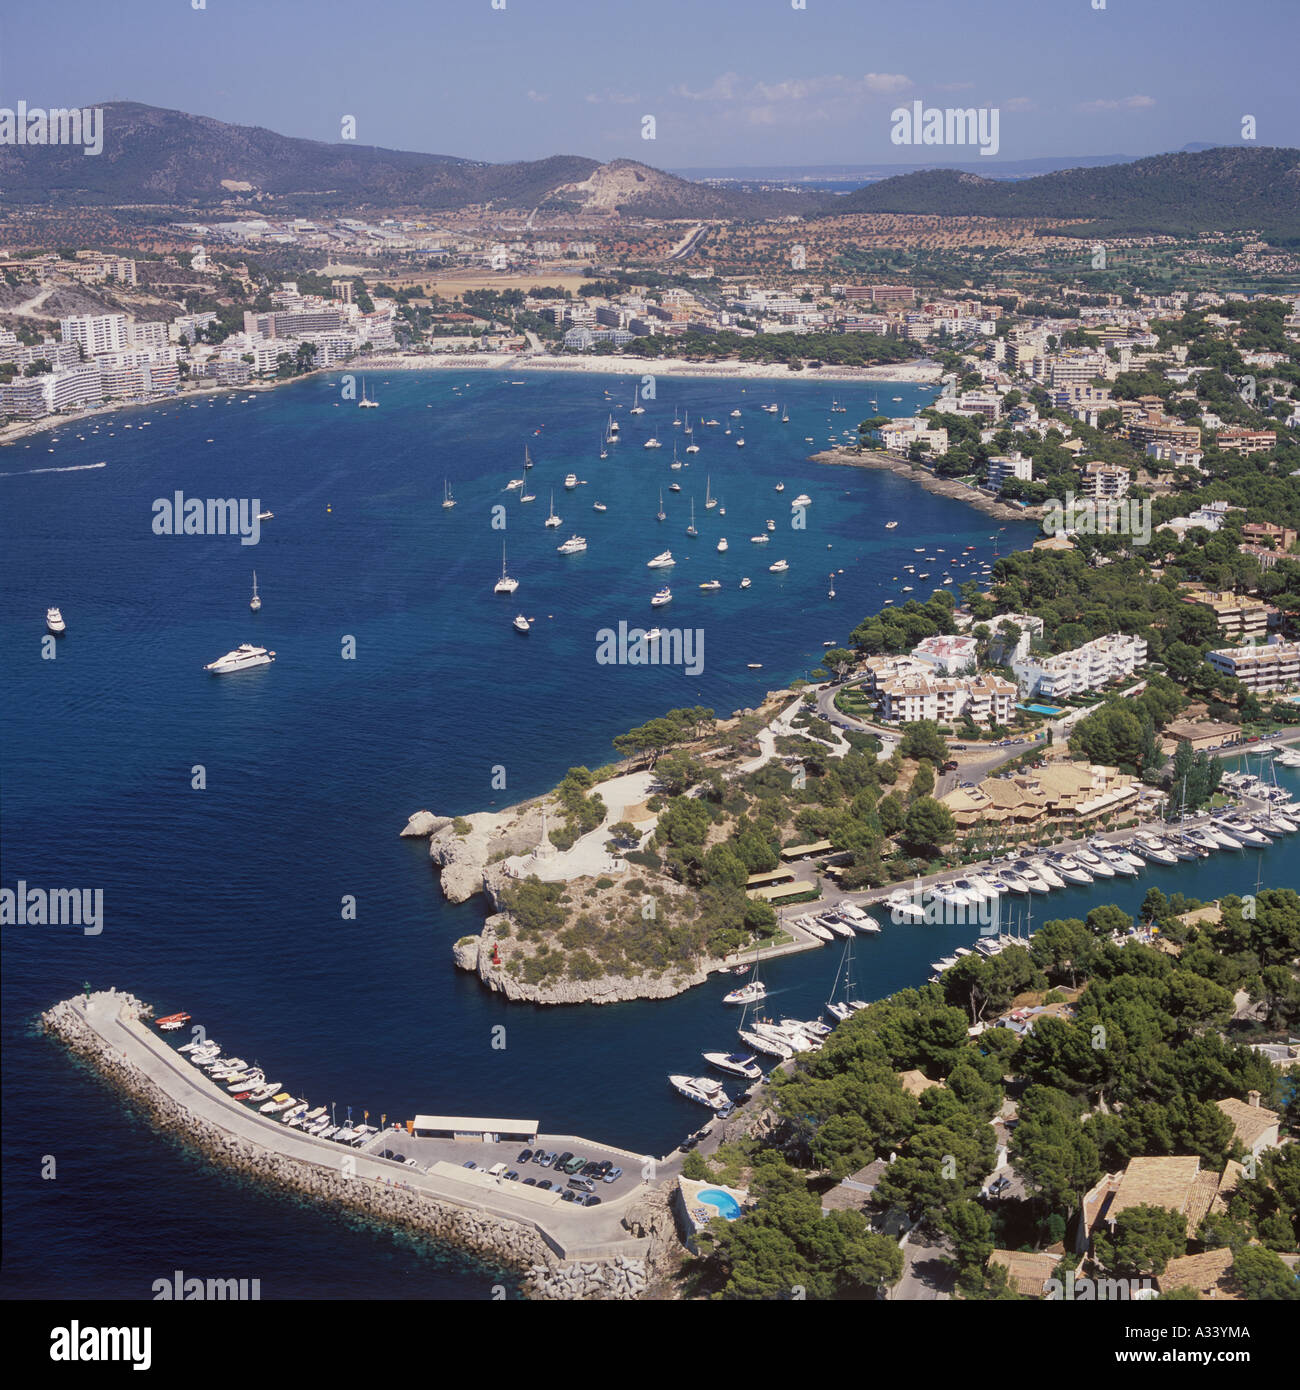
665,595
244,657
661,561
779,568
573,545
570,481
738,1063
703,1089
54,620
746,994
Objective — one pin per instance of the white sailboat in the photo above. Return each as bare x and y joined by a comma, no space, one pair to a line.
255,603
691,529
661,515
710,501
365,403
552,519
447,499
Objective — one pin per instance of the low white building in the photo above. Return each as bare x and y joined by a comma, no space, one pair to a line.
947,655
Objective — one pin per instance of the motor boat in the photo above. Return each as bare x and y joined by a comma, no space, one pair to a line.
1070,869
737,1063
779,568
665,595
54,621
243,658
1153,847
661,561
746,994
573,545
769,1046
703,1089
521,624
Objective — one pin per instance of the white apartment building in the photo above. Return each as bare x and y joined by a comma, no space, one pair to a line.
1175,456
1004,466
1261,669
1005,653
96,332
1105,481
899,435
1085,668
1076,368
986,699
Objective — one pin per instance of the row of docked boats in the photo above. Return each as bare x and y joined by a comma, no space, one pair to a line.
249,1084
845,919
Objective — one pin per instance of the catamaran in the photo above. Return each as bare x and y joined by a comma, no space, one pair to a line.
504,585
365,403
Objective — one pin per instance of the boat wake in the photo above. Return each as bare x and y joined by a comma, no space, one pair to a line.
71,468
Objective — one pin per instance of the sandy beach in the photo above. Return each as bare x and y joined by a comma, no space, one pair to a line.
918,371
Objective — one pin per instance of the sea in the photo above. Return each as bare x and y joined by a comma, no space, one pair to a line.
244,829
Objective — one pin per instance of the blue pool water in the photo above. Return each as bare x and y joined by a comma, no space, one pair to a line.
724,1201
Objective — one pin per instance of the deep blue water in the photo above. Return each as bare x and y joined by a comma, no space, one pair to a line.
226,901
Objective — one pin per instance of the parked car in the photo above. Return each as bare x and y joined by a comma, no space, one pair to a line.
544,1186
951,765
530,1182
564,1158
590,1200
525,1157
545,1160
469,1164
1000,1186
574,1165
581,1184
512,1176
568,1196
613,1175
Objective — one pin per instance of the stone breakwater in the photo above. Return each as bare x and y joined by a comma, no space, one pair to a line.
493,1239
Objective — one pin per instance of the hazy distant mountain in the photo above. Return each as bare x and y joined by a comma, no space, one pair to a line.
1222,189
152,155
871,173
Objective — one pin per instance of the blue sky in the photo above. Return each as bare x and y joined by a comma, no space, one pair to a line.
729,82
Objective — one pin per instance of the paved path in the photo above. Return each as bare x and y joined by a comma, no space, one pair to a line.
587,856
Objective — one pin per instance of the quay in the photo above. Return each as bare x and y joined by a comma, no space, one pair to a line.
565,1251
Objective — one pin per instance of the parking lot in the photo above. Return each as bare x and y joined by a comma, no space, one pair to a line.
498,1162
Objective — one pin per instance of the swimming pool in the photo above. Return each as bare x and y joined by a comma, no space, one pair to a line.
1042,709
724,1201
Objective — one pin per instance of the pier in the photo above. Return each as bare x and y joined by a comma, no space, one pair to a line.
567,1251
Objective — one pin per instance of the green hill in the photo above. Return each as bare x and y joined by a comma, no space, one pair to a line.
1224,189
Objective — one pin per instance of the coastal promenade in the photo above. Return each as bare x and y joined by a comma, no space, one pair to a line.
506,1223
943,487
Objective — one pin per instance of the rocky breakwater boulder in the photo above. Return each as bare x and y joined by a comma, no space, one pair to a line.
621,1278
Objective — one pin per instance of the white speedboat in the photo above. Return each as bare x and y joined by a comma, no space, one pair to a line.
1030,876
793,1039
746,994
703,1089
504,585
770,524
664,595
264,1092
570,481
1048,873
54,621
243,658
515,483
745,583
722,544
760,540
889,525
779,568
803,500
780,487
1094,863
661,561
737,1063
1069,869
735,415
769,1046
573,545
1153,847
652,443
521,624
599,507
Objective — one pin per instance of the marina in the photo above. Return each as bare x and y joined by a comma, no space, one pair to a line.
372,975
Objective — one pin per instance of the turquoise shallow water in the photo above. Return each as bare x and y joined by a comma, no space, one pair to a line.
227,901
